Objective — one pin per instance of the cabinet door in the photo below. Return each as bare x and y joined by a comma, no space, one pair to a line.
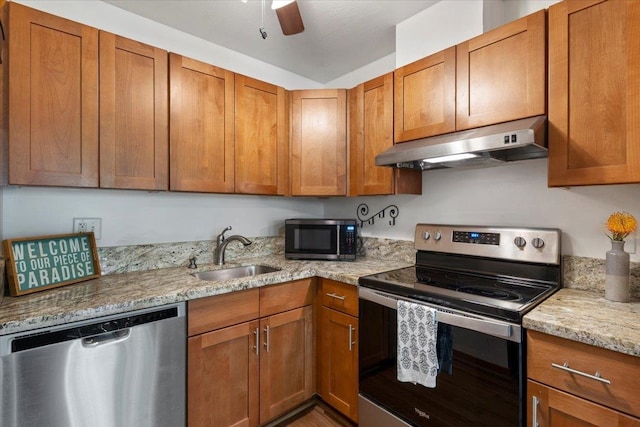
134,128
261,143
287,370
548,407
319,143
262,137
338,361
223,377
53,100
371,133
201,126
424,98
594,128
501,74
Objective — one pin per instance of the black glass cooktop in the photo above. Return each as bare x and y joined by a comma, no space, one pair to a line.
495,295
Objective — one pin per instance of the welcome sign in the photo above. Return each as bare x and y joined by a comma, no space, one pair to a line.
38,263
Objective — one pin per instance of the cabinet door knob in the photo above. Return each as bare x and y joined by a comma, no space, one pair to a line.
534,412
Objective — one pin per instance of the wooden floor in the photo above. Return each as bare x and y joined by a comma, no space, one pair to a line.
318,415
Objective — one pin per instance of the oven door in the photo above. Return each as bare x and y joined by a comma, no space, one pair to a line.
483,385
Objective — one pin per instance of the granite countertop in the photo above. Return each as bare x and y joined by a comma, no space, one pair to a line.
587,317
118,293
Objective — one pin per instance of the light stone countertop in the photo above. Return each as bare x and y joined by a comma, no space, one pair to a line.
118,293
589,318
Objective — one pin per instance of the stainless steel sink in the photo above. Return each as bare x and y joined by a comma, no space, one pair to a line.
235,272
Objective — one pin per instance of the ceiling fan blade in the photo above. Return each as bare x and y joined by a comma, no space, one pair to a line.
290,19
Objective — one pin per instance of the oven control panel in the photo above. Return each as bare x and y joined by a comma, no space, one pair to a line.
476,237
541,245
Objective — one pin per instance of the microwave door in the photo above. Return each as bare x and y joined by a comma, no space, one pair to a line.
311,239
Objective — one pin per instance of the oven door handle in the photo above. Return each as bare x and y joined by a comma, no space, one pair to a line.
468,321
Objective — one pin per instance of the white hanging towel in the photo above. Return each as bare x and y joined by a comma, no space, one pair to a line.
417,339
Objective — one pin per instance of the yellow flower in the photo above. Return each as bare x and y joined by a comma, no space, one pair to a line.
620,225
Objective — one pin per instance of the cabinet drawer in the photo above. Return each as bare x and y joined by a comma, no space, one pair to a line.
207,314
339,296
620,369
278,298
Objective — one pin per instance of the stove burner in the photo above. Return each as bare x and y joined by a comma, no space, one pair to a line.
491,292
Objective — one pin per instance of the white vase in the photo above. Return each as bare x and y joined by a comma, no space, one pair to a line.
616,285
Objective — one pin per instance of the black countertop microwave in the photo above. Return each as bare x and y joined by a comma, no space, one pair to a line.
321,239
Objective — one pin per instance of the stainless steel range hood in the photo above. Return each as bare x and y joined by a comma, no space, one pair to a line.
517,140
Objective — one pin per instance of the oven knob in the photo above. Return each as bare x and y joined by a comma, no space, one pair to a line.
426,235
537,243
437,236
520,242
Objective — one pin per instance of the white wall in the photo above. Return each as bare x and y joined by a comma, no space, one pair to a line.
442,25
139,217
513,194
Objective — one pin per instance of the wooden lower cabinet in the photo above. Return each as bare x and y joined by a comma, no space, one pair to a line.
338,361
286,362
248,373
575,384
223,377
555,408
337,308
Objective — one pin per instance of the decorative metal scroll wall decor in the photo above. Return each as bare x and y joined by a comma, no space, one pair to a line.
363,211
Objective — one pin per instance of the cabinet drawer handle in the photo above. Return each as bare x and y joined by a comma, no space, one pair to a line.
534,412
257,346
336,296
351,341
266,333
596,376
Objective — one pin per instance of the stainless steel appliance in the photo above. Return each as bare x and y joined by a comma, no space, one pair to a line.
124,370
321,239
481,281
485,146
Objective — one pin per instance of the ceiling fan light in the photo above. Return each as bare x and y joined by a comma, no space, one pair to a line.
277,4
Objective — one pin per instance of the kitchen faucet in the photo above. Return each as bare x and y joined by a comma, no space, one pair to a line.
221,245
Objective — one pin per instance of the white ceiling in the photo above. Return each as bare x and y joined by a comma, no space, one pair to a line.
340,35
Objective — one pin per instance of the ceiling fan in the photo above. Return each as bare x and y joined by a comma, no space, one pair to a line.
289,16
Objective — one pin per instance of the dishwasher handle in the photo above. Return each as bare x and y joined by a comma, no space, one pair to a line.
109,337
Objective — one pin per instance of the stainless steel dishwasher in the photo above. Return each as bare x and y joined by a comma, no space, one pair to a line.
124,370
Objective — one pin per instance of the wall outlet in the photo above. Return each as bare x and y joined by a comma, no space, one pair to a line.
85,225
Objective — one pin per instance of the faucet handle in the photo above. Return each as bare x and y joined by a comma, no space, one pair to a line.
220,236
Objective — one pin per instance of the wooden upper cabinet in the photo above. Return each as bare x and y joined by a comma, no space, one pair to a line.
53,100
425,97
261,137
134,132
371,133
319,143
201,141
594,106
501,74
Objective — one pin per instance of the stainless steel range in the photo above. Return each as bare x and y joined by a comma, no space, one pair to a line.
481,281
